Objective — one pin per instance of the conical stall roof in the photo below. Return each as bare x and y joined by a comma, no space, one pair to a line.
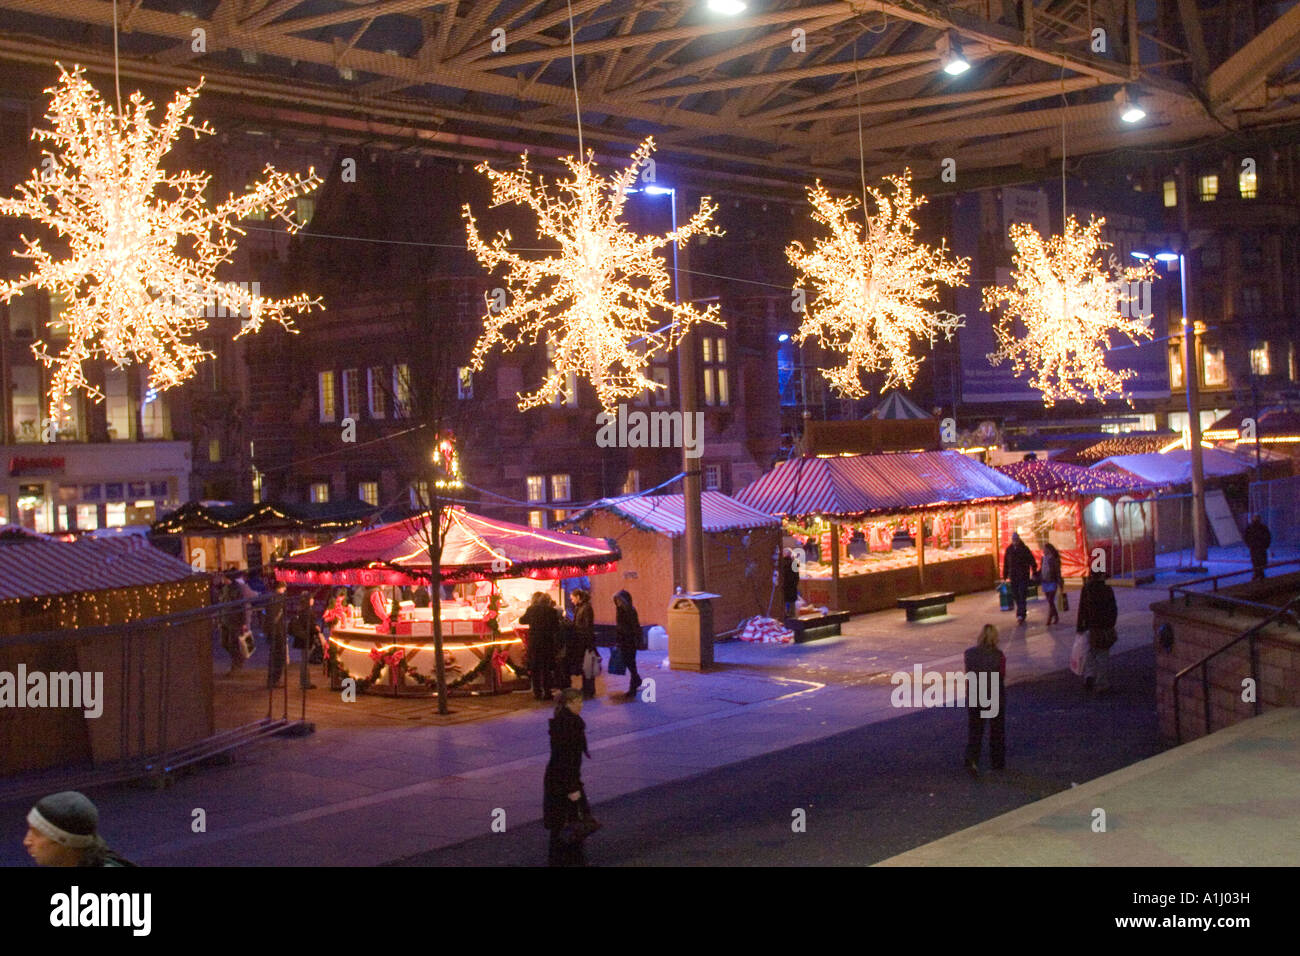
896,405
476,548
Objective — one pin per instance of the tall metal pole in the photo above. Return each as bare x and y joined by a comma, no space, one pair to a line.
693,539
1193,420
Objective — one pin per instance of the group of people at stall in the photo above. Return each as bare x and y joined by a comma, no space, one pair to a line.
562,648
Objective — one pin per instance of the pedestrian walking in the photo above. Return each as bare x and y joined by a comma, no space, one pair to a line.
628,633
1018,566
987,664
1258,539
277,635
584,635
789,583
1097,616
231,619
543,623
1050,575
63,830
565,811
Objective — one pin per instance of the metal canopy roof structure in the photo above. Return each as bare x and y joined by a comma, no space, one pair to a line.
775,91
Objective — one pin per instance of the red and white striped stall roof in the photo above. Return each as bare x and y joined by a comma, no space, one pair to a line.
665,514
876,484
35,568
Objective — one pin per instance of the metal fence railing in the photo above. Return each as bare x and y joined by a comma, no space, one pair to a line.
1278,502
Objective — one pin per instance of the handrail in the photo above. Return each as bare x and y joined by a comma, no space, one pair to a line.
1249,636
1186,586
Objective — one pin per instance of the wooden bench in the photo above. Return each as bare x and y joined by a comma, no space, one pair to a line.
814,628
921,606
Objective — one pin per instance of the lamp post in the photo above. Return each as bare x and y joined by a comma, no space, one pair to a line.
1199,529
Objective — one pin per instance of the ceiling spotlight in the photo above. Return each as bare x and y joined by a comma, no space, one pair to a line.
1130,106
728,7
954,61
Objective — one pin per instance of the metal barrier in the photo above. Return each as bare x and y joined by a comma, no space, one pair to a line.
1278,502
1187,586
141,759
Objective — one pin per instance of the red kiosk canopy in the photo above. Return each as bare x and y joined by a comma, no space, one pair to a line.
476,548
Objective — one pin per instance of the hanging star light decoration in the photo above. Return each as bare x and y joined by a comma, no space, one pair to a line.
1070,303
597,298
873,286
142,243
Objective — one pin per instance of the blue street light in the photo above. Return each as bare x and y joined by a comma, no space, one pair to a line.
783,337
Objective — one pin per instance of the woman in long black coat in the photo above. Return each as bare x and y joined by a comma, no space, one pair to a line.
563,798
543,623
584,637
627,628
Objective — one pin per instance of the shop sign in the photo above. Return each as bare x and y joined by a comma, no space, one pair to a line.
35,466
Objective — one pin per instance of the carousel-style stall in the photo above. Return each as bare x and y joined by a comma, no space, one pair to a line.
490,569
874,528
740,547
1079,511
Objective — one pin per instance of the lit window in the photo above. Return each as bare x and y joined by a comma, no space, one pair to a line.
368,491
536,487
1175,366
1171,193
1248,182
401,390
1214,372
716,391
560,488
87,517
464,382
115,514
537,519
325,389
320,492
1209,187
63,517
633,482
712,477
214,449
352,397
306,209
662,396
378,390
1290,362
1259,362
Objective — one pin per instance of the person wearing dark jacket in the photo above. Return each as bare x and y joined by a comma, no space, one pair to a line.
1018,565
231,619
985,658
63,830
1097,616
543,623
277,635
789,583
1258,539
563,797
584,636
628,634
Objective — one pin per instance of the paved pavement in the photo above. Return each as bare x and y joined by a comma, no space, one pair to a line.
359,795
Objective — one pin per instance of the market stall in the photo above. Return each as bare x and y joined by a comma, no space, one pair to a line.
740,547
489,571
873,528
1081,511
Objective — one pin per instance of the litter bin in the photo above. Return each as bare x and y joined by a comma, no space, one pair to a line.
690,631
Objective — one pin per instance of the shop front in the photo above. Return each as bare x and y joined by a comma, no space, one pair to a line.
869,529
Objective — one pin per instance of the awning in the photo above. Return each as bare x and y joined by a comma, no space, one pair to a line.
1175,467
665,513
876,484
476,548
1056,478
195,517
34,567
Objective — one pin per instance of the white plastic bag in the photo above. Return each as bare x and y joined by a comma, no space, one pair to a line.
1079,653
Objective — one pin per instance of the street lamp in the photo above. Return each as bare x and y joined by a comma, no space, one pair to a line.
1193,411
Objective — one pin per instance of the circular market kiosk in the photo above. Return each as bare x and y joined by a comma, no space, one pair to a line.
489,571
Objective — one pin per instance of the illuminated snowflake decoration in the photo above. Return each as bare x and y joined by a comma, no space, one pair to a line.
142,245
873,286
600,299
1069,303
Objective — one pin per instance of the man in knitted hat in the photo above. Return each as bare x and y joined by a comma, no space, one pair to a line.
62,830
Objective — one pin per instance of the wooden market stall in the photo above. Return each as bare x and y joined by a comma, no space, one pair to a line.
490,569
153,691
877,527
741,545
1082,511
